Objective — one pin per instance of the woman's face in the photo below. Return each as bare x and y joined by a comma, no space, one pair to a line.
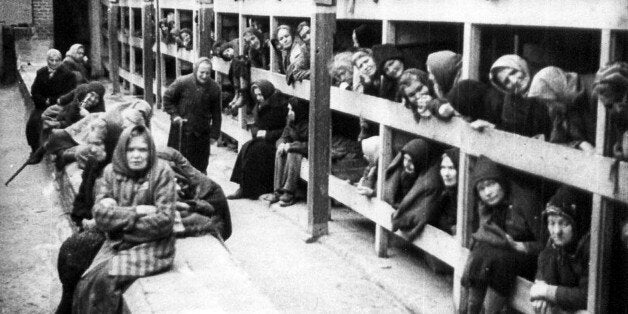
137,153
80,54
186,38
228,53
437,89
512,80
408,165
448,172
284,38
90,100
305,34
491,192
203,74
419,95
560,230
393,69
96,146
366,66
252,41
257,93
354,38
53,62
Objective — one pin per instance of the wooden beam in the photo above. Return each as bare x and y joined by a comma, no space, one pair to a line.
159,65
602,211
241,27
206,23
274,63
323,28
114,47
95,49
471,51
148,39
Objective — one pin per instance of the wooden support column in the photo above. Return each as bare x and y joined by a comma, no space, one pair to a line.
114,47
95,29
470,70
159,62
385,155
602,211
205,26
218,34
323,29
241,27
274,63
148,39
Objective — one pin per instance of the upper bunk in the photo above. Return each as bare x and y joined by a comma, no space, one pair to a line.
607,14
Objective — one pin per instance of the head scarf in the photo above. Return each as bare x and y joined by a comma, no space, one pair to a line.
366,36
82,90
445,66
468,98
144,108
454,156
422,152
611,80
198,63
486,169
572,205
119,160
554,84
513,62
73,51
265,87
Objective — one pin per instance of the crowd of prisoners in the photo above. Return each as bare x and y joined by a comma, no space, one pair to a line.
135,200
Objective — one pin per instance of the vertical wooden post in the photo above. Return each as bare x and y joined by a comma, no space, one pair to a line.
323,29
274,64
158,57
470,70
241,27
218,34
95,29
2,67
385,154
602,211
206,23
114,47
148,39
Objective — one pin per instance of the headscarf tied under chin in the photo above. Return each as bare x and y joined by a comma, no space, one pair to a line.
198,63
73,51
119,160
512,62
554,84
267,88
445,66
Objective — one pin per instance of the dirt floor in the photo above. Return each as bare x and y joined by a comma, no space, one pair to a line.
32,226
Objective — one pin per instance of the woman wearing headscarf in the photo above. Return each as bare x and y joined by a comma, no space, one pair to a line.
51,82
86,98
444,70
507,241
412,186
521,115
473,100
76,61
562,277
255,164
134,206
571,109
446,219
256,48
291,148
193,103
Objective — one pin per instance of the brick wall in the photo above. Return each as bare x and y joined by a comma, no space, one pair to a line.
43,18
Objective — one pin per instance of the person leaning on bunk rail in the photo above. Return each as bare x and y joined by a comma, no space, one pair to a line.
51,82
193,103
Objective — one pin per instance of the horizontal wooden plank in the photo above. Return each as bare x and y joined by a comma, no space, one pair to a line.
131,3
136,42
132,78
173,51
231,127
611,14
123,37
179,4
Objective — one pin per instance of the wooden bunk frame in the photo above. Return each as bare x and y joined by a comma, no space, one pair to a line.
539,158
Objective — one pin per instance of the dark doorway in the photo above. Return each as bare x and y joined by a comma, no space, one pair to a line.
71,24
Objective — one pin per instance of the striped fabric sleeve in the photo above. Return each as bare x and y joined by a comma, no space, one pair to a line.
108,215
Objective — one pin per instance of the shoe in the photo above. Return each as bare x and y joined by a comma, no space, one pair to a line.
287,199
271,197
237,195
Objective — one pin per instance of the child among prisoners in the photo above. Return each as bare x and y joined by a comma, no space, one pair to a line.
562,276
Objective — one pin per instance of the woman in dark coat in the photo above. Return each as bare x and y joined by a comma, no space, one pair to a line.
51,82
76,62
89,96
562,278
254,167
446,219
507,241
413,185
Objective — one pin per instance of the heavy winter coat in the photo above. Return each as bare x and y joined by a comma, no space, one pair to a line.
71,112
47,88
420,204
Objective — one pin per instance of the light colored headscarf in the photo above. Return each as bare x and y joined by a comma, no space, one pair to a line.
72,52
54,53
552,83
513,62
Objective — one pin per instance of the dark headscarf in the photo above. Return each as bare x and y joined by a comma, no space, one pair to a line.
423,154
572,205
84,89
486,169
468,98
445,66
119,160
267,88
454,156
366,37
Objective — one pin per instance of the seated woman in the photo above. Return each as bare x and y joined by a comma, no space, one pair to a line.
291,148
256,48
507,241
570,106
76,61
521,115
369,80
562,277
412,186
443,68
341,70
417,93
134,206
254,166
85,99
446,219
